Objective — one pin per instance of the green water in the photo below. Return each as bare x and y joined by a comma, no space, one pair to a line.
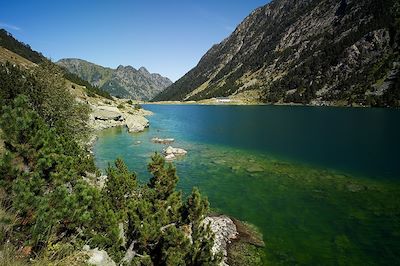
321,184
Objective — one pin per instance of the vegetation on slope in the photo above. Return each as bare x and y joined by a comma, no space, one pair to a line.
24,50
10,43
89,88
49,205
304,52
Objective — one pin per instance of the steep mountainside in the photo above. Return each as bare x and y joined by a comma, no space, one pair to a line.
304,51
126,82
10,43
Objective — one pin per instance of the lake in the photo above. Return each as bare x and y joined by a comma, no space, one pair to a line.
322,184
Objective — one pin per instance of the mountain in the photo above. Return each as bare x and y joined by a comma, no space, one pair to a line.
10,43
125,81
337,52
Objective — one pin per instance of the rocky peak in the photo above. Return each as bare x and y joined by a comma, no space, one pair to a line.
126,68
143,70
124,81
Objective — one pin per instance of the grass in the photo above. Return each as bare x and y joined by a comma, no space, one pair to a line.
11,256
6,55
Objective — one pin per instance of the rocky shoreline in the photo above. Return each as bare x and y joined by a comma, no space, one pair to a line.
107,116
118,113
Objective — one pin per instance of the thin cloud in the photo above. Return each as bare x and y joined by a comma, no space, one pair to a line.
9,26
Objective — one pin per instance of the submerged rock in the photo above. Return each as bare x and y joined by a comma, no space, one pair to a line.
162,141
355,187
255,169
235,168
247,248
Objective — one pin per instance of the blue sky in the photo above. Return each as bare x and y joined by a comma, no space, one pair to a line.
166,36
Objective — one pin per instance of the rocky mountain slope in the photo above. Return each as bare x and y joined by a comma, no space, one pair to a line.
125,81
304,51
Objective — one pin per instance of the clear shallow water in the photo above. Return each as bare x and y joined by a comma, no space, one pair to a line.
320,183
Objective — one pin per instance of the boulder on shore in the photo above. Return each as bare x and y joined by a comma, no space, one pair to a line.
103,117
107,113
225,231
136,123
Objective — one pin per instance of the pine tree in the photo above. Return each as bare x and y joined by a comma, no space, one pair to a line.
195,211
120,186
164,177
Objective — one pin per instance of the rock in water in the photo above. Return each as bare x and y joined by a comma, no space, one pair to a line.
255,169
170,157
136,123
171,152
163,141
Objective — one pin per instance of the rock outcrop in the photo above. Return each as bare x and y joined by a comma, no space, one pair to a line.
225,231
105,116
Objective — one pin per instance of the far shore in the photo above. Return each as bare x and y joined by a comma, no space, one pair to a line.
255,103
205,102
243,103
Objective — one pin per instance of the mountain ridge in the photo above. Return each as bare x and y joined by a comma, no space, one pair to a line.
334,52
123,81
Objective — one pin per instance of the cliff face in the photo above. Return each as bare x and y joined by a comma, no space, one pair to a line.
304,51
125,81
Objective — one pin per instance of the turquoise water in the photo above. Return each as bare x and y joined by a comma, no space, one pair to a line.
321,184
